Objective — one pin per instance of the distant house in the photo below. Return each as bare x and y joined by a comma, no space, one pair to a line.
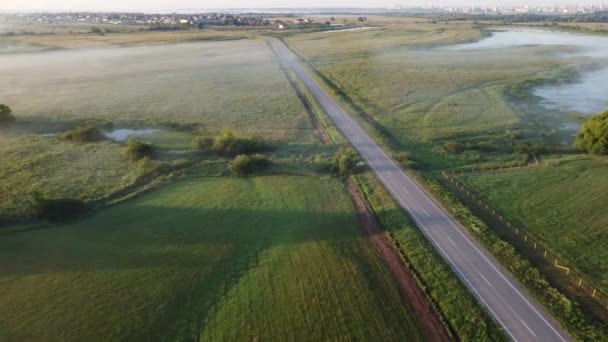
281,27
299,21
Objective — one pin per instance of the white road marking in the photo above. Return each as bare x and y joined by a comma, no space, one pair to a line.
451,241
527,327
484,279
426,212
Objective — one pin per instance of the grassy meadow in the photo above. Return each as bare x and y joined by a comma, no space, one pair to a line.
561,204
179,90
278,257
412,81
200,255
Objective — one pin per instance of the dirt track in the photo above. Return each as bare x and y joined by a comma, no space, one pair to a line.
433,329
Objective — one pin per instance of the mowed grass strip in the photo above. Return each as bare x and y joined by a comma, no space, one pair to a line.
275,257
563,205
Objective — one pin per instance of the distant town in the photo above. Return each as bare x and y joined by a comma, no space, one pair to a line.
273,17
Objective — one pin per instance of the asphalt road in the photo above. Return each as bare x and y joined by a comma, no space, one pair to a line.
504,298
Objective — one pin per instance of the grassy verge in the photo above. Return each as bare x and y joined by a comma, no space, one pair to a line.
459,309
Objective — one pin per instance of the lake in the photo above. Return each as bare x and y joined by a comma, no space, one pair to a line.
588,94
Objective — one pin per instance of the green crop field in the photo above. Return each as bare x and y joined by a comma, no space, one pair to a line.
561,204
277,257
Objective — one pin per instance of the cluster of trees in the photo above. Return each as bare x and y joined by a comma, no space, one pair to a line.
345,162
6,115
227,143
83,134
593,136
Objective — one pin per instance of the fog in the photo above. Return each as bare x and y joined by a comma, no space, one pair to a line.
586,95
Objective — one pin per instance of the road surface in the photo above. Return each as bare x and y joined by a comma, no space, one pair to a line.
504,298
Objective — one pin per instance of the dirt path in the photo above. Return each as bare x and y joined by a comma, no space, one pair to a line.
433,329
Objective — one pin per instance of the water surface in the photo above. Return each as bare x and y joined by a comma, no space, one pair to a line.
124,134
588,94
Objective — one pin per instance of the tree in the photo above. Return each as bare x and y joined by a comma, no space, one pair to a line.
203,144
6,115
332,19
593,136
244,165
345,162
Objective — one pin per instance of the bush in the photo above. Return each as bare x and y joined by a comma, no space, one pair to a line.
244,165
202,144
406,160
6,115
453,147
345,162
227,143
485,146
58,210
593,136
137,150
83,134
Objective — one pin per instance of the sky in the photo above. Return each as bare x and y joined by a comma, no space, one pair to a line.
167,5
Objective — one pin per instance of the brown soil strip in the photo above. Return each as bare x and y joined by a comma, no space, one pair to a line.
432,326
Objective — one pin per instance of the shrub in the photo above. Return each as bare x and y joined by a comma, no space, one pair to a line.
406,160
227,143
202,144
485,146
345,162
57,210
6,115
83,134
453,147
244,165
137,150
593,136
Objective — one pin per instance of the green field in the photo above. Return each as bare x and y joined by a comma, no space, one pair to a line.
424,93
561,205
179,89
276,257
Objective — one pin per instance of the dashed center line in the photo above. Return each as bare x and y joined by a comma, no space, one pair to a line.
484,279
451,241
527,327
